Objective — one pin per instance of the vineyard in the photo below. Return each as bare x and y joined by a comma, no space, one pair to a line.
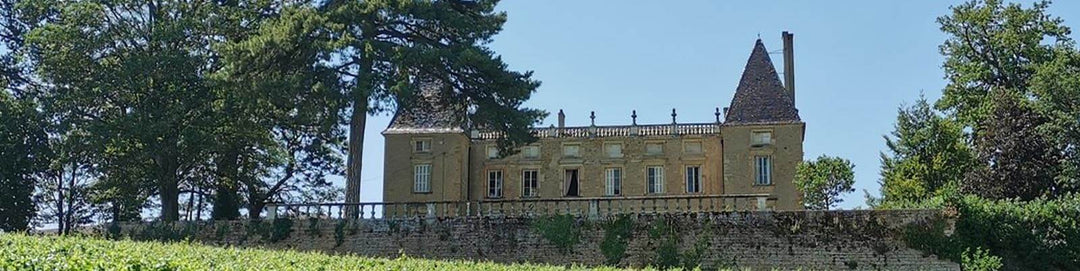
21,252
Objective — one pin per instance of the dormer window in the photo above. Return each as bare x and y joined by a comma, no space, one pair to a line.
422,145
761,138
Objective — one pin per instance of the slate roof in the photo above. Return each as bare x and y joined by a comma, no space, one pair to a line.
426,115
760,97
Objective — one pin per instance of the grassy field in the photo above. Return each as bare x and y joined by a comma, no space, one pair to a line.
21,252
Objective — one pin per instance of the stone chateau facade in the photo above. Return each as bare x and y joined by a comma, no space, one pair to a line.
753,147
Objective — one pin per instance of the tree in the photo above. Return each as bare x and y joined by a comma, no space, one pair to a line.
206,99
822,181
994,47
282,121
928,155
22,155
63,190
383,49
1014,159
137,82
12,72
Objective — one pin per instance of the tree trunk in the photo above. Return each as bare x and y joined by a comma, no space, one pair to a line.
170,198
169,189
356,134
198,210
60,203
356,154
226,201
190,212
255,208
69,215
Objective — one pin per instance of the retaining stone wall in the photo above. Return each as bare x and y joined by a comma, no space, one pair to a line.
810,240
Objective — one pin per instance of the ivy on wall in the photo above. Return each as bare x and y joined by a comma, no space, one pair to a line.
561,230
617,234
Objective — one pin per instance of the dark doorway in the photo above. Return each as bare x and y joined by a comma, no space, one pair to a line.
572,183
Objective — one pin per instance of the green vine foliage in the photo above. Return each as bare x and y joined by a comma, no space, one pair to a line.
113,232
694,257
271,232
980,260
339,232
1041,234
166,232
560,230
668,254
222,231
313,227
617,234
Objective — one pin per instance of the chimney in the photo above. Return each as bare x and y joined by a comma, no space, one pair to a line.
562,119
789,65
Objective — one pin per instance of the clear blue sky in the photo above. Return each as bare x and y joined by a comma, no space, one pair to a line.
856,62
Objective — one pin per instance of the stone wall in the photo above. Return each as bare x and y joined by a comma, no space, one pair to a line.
810,240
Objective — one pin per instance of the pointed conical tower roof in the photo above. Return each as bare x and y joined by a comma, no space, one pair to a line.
760,97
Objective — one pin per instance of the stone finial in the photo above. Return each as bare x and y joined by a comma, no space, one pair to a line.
673,116
592,118
717,115
633,117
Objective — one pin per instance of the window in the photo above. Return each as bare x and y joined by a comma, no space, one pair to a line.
654,179
693,179
571,150
613,185
531,151
654,149
693,147
763,167
495,182
572,183
761,138
492,152
422,178
422,145
613,150
530,182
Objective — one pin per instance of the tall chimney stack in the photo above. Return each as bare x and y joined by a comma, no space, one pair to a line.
789,65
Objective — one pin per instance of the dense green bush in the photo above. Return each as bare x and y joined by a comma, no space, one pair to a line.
980,260
21,252
561,230
617,233
1040,234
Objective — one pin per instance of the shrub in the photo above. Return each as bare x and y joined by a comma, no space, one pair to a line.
339,232
1041,234
979,260
617,234
560,230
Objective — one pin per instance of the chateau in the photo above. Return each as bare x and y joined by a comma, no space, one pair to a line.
753,147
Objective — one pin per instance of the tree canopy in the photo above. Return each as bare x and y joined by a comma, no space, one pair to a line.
927,156
235,104
1008,50
823,180
22,137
